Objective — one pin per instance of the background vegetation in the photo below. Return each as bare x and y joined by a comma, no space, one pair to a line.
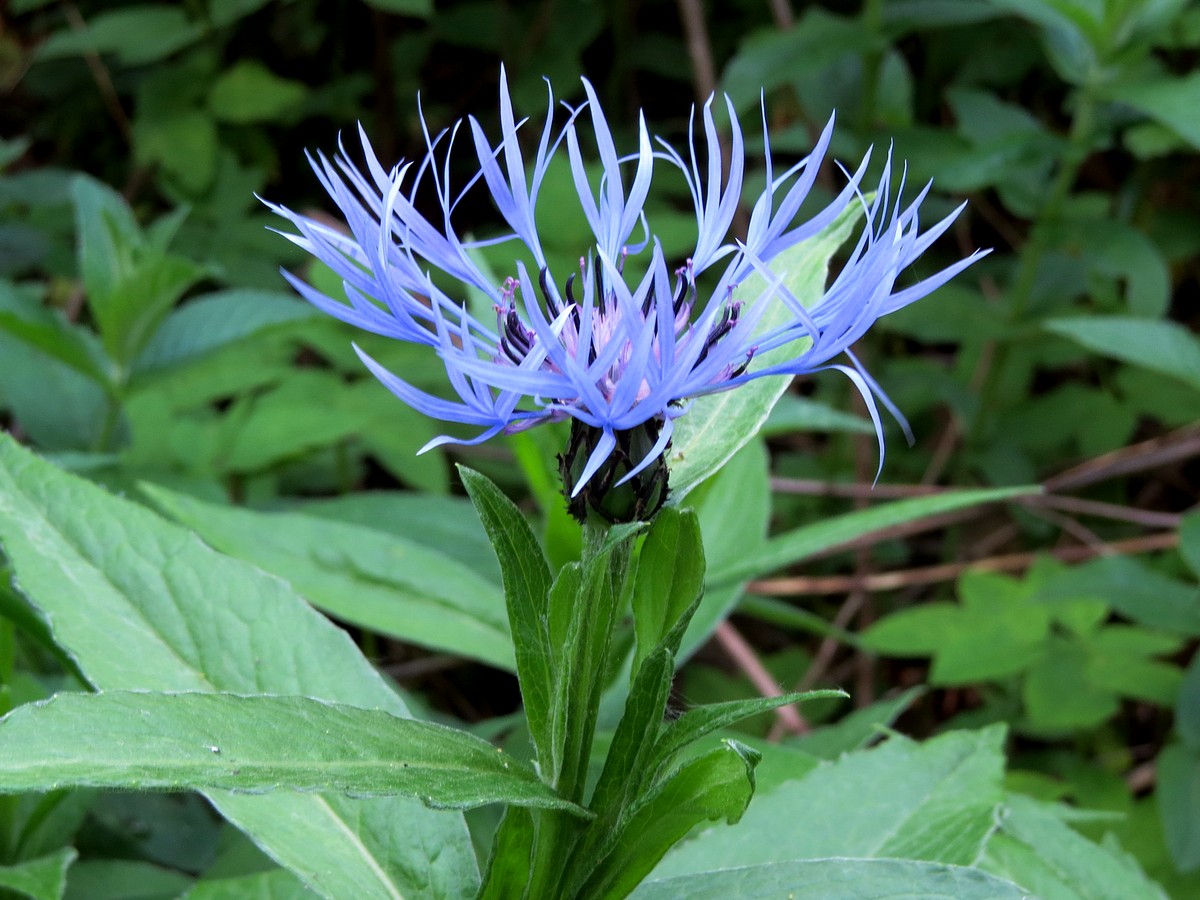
146,338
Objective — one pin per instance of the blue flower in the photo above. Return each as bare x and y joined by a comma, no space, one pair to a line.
621,345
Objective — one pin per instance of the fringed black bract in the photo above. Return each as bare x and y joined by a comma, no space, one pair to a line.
639,498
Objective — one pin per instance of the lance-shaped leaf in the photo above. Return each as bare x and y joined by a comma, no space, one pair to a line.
670,576
809,540
717,785
141,604
254,744
527,580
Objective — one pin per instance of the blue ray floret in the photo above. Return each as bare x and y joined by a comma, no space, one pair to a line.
620,345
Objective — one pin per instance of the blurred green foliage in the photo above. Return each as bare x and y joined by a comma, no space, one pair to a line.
146,336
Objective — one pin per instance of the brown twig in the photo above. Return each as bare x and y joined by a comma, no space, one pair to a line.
108,93
747,660
695,32
795,586
781,12
1181,444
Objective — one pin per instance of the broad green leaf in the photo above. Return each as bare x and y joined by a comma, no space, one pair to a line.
669,576
207,323
275,884
1039,851
1060,696
824,879
44,878
793,413
1133,589
136,34
108,574
250,92
254,744
934,801
1163,346
376,580
527,583
717,785
809,540
968,643
126,879
446,524
719,425
1169,100
1177,793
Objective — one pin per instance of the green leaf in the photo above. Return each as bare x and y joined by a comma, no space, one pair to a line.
1189,542
447,524
131,284
527,583
44,878
1187,708
108,574
719,425
274,884
702,720
208,323
1177,793
511,857
1042,854
792,414
1169,100
121,879
1133,589
969,643
250,92
416,8
1162,346
48,331
934,801
367,577
858,728
182,143
1060,696
255,744
802,543
734,509
717,785
136,34
108,235
669,577
823,879
582,616
57,405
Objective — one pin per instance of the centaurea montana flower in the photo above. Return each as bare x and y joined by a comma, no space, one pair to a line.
619,350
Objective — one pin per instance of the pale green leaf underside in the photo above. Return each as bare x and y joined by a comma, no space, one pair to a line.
719,425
